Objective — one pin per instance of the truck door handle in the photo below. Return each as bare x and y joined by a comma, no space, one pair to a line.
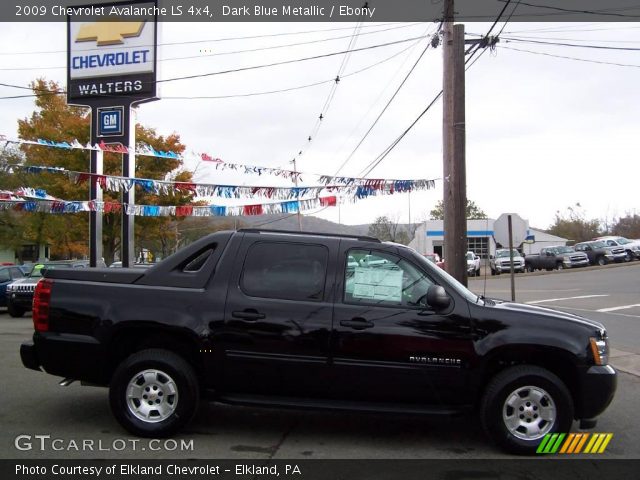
357,323
249,314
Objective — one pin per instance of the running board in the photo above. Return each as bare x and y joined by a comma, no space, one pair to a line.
340,405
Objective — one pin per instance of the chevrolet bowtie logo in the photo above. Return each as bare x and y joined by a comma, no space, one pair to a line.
109,33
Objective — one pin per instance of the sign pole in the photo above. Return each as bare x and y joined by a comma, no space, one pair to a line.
95,194
513,273
110,89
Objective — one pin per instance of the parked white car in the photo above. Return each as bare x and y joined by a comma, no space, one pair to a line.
631,247
473,264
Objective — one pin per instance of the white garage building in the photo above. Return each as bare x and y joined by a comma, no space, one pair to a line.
429,238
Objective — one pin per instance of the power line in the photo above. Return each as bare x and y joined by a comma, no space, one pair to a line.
215,40
375,122
606,12
570,58
233,52
256,67
237,95
372,165
562,44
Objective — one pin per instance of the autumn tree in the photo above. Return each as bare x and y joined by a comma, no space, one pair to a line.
473,212
628,226
68,234
572,224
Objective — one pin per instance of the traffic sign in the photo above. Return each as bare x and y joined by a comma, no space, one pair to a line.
110,121
519,229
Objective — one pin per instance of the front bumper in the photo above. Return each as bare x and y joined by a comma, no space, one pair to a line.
575,264
597,389
20,300
507,268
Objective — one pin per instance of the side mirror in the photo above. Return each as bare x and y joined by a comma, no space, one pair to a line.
437,298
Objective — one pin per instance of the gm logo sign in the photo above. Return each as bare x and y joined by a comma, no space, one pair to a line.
110,121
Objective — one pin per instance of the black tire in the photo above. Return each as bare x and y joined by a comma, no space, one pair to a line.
500,390
164,365
601,261
15,312
477,273
529,268
559,266
493,272
629,256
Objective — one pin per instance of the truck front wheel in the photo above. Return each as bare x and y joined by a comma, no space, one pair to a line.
154,393
15,312
524,403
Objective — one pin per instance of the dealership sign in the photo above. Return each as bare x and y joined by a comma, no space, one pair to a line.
111,57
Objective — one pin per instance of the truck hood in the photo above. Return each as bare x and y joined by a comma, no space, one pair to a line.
26,281
547,312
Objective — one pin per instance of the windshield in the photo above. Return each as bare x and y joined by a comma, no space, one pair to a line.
505,253
597,244
622,240
457,286
564,250
37,269
470,256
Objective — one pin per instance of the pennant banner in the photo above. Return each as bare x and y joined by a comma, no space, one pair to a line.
344,186
147,150
61,206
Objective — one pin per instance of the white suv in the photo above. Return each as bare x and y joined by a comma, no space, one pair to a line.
631,247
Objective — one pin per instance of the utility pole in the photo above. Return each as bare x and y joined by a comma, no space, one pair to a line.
295,171
455,186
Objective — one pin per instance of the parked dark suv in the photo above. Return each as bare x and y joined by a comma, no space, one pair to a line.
20,292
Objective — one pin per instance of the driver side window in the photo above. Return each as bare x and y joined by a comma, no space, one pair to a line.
377,278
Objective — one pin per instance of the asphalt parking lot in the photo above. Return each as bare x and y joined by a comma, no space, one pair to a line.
79,424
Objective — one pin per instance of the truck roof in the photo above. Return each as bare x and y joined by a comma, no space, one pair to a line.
363,238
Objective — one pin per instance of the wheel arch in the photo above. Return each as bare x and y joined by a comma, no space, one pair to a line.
135,338
556,360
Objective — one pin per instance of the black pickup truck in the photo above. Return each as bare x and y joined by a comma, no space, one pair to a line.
555,258
307,320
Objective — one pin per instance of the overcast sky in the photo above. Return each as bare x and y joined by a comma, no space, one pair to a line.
542,133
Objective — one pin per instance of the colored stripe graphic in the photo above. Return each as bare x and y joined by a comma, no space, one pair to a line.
550,443
573,443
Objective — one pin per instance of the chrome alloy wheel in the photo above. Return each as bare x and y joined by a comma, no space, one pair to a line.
152,396
529,413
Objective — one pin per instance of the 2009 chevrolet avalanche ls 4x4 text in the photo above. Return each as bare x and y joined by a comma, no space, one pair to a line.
259,317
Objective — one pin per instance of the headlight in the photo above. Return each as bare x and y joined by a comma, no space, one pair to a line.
566,259
600,350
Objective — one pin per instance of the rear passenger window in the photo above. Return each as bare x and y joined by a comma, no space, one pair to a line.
289,271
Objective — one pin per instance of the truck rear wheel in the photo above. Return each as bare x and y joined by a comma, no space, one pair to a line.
524,403
154,393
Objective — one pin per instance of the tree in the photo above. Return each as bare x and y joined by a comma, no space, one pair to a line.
68,234
473,212
628,226
573,225
388,230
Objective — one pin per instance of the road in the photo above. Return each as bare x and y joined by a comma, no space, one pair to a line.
610,295
33,403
